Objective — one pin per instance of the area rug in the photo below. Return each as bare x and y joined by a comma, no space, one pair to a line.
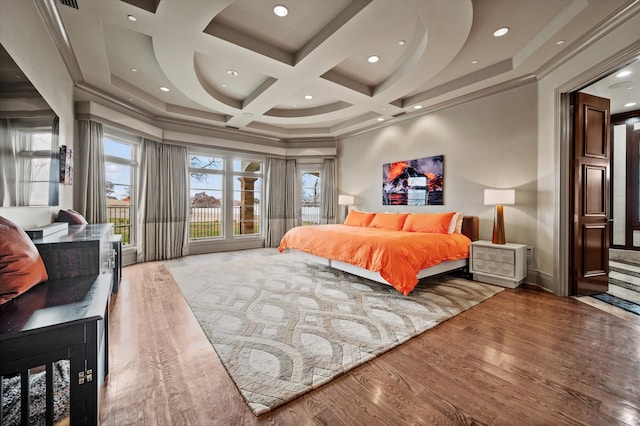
618,302
37,396
283,326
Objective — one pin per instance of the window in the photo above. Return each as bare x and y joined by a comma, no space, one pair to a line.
310,209
206,195
121,168
247,190
38,167
225,196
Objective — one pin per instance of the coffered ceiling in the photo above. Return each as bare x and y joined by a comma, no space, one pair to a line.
234,64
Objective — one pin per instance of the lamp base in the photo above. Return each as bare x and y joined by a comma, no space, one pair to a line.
498,226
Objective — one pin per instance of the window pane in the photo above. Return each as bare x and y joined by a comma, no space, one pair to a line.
248,166
200,161
246,205
206,213
118,149
310,198
120,173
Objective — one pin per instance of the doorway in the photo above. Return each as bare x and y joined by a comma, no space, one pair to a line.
621,209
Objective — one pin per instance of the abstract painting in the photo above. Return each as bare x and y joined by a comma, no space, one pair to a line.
417,182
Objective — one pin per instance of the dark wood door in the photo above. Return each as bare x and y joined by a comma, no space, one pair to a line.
590,195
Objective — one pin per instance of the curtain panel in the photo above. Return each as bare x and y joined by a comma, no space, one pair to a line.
281,198
163,202
8,174
328,192
90,182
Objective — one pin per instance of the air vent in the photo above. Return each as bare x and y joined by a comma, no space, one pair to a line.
400,114
70,3
232,127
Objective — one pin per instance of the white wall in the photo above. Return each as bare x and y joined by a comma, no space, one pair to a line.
29,44
487,143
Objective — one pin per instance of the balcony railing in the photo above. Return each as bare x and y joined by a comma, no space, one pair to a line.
120,216
207,222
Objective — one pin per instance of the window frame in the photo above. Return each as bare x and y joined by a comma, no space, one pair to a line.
228,192
124,138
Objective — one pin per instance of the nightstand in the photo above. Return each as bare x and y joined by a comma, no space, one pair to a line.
501,264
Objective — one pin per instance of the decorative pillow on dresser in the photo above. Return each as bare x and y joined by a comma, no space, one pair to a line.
21,266
72,217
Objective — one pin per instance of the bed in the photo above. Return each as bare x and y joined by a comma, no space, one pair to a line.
394,249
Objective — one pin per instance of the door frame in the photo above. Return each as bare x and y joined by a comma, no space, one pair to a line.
562,249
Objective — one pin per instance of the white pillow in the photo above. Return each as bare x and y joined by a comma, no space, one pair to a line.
454,221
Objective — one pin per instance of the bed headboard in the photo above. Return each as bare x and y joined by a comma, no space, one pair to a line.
470,227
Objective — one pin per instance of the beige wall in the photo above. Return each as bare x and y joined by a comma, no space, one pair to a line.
31,47
486,143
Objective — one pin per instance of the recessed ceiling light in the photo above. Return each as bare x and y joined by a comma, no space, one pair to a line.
475,61
232,73
623,73
132,18
224,85
308,97
164,89
500,31
134,70
417,107
630,104
130,99
401,42
373,59
280,10
559,42
380,119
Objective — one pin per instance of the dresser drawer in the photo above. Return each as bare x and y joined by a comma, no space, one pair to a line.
494,254
492,267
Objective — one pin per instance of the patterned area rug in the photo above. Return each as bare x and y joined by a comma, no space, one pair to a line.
37,396
282,326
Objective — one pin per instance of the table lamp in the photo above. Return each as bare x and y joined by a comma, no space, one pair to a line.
499,198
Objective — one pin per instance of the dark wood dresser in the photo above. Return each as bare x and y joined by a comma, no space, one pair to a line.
65,318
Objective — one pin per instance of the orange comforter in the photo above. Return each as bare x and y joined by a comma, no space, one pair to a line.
397,255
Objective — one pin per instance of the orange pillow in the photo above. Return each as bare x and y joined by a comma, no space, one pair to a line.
434,223
390,221
356,218
21,266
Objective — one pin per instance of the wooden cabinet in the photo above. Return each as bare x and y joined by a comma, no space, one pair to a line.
64,318
500,264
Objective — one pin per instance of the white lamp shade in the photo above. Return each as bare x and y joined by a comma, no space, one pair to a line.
494,197
345,200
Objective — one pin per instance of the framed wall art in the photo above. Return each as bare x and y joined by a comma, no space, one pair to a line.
417,182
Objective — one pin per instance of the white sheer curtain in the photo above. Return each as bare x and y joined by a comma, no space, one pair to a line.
328,192
163,202
281,197
90,192
8,179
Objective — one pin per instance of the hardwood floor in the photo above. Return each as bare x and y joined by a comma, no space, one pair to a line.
524,357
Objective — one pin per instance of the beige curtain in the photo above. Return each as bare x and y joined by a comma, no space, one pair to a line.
54,170
328,192
90,183
281,196
163,202
7,164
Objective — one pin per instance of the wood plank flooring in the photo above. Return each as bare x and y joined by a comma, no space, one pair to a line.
524,357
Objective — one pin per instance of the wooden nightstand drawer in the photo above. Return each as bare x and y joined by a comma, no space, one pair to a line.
494,254
495,268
